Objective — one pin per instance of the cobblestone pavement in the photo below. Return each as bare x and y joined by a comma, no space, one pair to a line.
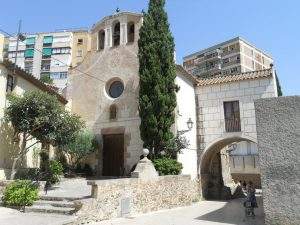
203,213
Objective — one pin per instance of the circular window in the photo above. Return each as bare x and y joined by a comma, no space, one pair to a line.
115,89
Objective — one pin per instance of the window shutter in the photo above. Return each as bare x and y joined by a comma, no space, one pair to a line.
48,40
29,53
30,41
47,51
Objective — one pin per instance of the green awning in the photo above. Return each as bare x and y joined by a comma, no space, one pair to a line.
30,41
48,40
47,51
29,53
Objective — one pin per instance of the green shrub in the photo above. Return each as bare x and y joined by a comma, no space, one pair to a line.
56,169
20,193
167,166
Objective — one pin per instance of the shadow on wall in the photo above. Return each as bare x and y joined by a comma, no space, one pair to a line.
8,147
233,212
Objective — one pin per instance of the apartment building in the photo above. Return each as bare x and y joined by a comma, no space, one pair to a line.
48,54
230,57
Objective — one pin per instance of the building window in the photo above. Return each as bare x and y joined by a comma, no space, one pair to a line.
10,83
29,53
28,66
63,75
64,50
234,70
113,112
115,89
45,67
101,39
130,32
59,75
48,40
232,116
116,34
80,41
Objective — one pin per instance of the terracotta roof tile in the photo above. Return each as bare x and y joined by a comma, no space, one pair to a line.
189,76
236,77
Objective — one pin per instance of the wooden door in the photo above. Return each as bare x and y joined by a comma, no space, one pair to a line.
113,155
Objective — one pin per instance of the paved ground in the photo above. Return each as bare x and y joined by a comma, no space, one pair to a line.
71,188
14,217
203,213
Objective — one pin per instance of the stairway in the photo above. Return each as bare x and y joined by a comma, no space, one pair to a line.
55,205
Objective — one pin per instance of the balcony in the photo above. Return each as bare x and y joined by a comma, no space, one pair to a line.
214,67
233,125
224,53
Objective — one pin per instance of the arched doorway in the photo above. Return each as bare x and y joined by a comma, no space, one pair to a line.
211,169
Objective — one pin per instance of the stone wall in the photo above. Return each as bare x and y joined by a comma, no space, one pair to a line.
123,197
278,132
210,99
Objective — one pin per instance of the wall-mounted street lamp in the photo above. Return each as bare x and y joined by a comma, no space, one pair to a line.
190,125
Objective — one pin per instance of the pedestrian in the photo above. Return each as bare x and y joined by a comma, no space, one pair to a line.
244,185
251,196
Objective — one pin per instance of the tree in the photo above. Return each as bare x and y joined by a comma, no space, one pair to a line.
46,79
82,145
157,96
279,91
38,117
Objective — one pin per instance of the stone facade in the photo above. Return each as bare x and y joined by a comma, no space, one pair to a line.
278,129
107,63
212,135
89,95
130,196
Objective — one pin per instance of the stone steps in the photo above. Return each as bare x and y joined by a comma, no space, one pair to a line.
55,198
66,204
53,205
50,209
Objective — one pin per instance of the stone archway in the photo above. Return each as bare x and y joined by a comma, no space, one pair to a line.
210,165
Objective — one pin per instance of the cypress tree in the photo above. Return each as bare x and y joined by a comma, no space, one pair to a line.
157,96
279,91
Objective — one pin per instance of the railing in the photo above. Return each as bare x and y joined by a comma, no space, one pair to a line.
233,125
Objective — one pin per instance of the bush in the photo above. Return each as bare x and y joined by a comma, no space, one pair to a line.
56,169
167,166
20,193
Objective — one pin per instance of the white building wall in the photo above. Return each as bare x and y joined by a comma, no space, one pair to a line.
6,148
186,108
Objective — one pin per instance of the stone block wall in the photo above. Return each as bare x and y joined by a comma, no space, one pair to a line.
122,197
210,109
278,132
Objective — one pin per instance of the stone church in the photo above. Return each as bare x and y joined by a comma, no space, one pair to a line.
212,113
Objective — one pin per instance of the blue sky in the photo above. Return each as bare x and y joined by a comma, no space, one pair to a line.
273,26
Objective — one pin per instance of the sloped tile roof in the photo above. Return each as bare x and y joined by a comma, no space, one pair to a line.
236,77
183,72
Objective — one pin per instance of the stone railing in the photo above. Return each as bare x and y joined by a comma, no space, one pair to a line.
129,196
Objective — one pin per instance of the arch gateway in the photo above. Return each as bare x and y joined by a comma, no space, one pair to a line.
221,108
